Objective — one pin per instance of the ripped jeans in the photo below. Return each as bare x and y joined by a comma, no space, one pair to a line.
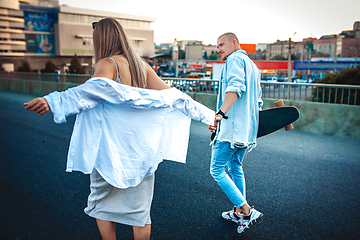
222,156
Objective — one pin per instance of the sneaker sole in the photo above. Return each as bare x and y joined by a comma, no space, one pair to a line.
253,222
229,220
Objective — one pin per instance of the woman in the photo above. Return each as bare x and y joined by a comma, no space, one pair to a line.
122,201
116,59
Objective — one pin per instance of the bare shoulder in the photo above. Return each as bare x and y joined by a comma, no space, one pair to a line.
105,63
105,68
121,61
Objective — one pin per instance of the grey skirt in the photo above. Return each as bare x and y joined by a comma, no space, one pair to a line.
129,206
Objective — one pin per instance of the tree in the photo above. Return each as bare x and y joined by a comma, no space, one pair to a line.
279,58
181,53
50,67
24,67
205,56
75,66
214,56
349,76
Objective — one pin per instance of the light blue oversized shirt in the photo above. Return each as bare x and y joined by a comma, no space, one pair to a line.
125,132
240,75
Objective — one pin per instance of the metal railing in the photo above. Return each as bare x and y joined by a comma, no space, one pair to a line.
312,92
324,93
46,77
193,85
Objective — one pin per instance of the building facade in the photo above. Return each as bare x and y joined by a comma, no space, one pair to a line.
344,44
194,51
328,44
40,30
281,49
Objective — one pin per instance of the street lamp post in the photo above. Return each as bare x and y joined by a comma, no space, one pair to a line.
175,56
289,66
289,61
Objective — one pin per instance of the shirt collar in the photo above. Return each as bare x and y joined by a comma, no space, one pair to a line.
237,51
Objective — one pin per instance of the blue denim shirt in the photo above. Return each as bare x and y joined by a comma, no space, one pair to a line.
242,76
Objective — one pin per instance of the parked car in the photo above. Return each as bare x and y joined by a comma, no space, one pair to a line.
270,79
168,74
297,80
199,76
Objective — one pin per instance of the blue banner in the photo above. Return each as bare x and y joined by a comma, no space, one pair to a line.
321,66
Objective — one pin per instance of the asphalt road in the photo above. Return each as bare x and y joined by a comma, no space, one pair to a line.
307,186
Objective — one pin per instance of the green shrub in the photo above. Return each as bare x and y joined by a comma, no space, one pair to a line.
349,76
50,67
24,67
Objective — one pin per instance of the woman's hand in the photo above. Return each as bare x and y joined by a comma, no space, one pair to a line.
217,119
38,105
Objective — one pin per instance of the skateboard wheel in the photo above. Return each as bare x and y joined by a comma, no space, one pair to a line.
280,103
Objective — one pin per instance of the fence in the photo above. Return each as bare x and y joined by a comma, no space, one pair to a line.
191,85
45,77
324,93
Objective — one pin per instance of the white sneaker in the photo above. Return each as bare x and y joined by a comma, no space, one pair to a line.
232,216
249,220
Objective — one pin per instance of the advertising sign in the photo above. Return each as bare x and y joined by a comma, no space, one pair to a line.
45,44
37,43
36,21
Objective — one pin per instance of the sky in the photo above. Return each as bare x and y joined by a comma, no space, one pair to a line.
253,21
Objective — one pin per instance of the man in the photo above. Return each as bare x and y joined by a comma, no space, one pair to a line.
236,125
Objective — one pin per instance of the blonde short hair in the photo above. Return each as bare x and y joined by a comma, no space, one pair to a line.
230,36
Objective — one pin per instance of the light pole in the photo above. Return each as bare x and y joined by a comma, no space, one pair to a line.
289,66
289,59
175,56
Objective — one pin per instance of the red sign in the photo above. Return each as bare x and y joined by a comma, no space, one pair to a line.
192,65
262,65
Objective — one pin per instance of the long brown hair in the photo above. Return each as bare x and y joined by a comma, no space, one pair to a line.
109,39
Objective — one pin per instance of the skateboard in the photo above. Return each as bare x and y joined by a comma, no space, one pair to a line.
273,119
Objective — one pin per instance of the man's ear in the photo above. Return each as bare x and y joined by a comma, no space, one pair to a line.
235,43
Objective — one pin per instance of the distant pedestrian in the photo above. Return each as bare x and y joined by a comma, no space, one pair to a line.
236,126
122,131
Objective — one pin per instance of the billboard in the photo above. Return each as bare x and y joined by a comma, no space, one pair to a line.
45,44
38,43
37,21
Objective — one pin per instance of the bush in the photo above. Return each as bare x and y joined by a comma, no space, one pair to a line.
25,67
50,67
75,67
349,76
214,56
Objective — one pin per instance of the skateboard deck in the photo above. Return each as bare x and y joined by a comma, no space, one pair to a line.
273,119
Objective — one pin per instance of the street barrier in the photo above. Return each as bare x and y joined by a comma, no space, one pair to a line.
310,92
321,118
